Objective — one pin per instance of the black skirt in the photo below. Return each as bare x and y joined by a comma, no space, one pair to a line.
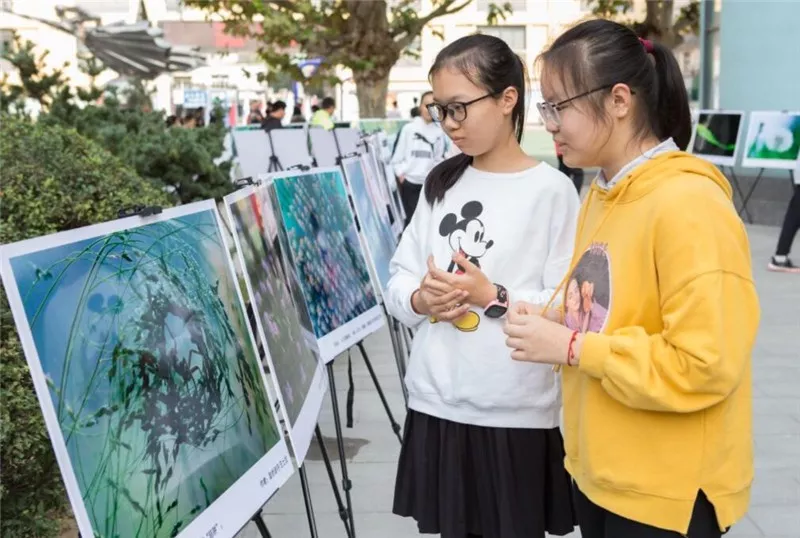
459,480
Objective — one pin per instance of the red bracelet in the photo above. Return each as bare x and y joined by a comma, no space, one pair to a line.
571,349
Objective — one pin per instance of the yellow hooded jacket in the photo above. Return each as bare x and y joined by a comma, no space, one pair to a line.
660,406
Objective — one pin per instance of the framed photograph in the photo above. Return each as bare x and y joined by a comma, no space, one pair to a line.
326,255
715,136
773,140
375,228
145,368
294,365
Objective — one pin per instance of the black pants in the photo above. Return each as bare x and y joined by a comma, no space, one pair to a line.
791,223
409,195
597,522
575,174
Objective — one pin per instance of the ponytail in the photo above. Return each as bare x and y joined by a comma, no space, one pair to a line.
600,53
518,116
444,175
672,116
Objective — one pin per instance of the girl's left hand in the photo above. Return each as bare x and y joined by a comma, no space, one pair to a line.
534,338
480,290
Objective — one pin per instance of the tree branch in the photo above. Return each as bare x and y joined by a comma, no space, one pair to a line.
412,28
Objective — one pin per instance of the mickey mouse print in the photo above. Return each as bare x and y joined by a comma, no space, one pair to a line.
466,236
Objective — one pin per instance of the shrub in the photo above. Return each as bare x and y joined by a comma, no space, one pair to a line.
52,179
183,160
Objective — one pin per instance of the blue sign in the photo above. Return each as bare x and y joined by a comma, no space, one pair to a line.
194,98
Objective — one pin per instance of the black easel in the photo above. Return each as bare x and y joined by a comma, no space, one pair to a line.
401,354
274,162
262,527
346,484
395,426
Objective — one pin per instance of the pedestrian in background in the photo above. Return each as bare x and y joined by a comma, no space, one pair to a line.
421,145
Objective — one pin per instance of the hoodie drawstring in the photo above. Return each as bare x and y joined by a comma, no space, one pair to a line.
576,259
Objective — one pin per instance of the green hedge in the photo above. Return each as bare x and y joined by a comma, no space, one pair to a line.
51,179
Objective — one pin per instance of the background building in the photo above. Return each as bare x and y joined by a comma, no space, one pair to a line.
532,25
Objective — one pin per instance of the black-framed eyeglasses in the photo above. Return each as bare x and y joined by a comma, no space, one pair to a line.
550,111
456,110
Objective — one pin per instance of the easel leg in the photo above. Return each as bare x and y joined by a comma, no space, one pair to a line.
337,421
408,336
312,521
738,187
328,467
395,425
262,527
399,354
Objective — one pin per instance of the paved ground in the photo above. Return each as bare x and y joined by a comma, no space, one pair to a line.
775,508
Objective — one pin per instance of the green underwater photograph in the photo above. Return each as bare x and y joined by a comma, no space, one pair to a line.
157,402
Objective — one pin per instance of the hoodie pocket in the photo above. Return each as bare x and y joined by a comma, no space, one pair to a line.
651,453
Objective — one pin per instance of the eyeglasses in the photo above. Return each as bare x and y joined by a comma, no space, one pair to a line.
550,111
456,110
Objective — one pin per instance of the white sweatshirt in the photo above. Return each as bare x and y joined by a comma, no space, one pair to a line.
420,147
520,228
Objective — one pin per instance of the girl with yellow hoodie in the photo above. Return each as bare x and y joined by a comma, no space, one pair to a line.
659,311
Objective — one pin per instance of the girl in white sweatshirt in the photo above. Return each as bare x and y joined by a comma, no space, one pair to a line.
482,453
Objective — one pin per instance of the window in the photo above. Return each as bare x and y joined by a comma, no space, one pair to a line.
414,58
6,40
516,5
220,81
103,7
416,5
6,5
514,36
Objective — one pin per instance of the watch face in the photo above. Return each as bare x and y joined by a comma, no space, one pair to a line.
495,311
502,293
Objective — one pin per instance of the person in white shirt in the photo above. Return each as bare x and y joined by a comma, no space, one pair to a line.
421,145
482,451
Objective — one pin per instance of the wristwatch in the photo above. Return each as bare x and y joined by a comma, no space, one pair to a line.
498,307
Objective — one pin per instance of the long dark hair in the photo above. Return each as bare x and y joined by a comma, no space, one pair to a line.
488,62
601,53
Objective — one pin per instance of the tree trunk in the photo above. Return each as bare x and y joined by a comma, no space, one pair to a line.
659,16
371,89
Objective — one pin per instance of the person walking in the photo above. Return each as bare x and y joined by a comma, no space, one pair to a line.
781,262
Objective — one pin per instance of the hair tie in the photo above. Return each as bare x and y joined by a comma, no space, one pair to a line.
648,45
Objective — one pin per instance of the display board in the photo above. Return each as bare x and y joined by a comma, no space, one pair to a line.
349,140
290,147
252,152
323,146
146,372
773,140
376,231
715,136
326,255
295,368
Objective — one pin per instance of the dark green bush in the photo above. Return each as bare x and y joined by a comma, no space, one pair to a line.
180,159
51,179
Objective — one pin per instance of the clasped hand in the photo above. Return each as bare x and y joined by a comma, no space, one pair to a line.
534,337
447,296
